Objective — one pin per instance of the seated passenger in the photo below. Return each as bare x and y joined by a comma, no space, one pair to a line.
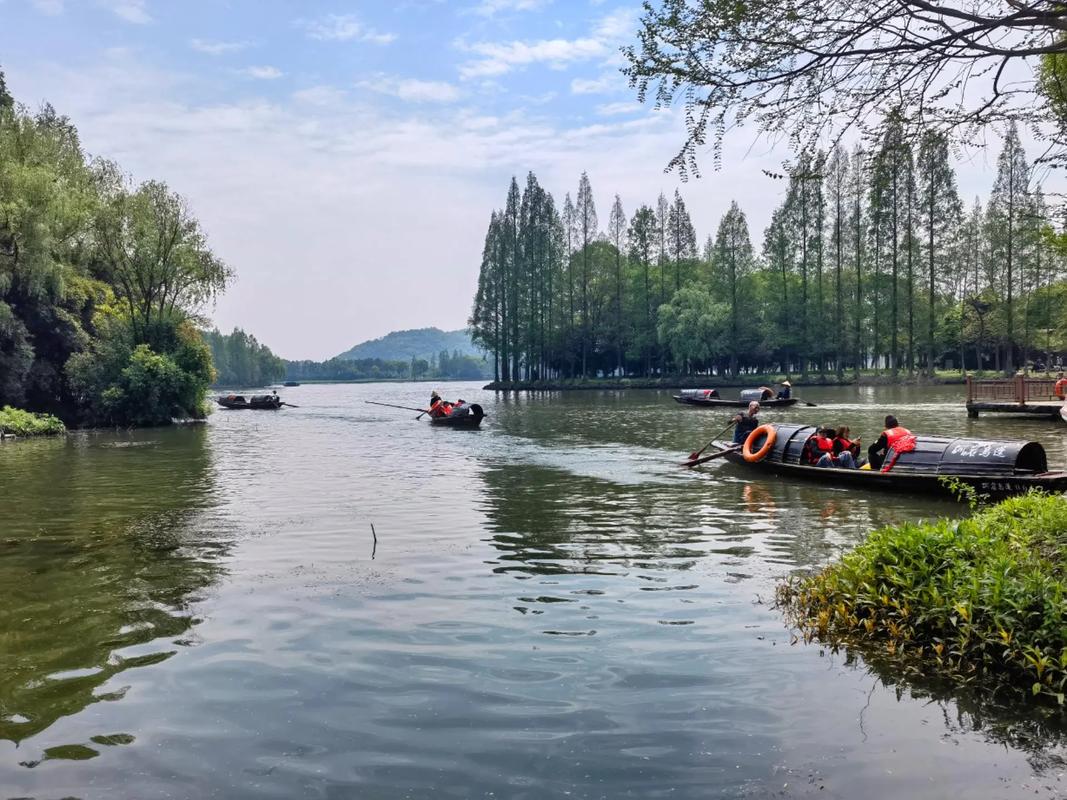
785,392
822,451
438,407
843,443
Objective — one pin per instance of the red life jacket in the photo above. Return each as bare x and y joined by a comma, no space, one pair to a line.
894,435
440,409
1061,388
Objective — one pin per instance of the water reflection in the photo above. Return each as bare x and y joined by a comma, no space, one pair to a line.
102,560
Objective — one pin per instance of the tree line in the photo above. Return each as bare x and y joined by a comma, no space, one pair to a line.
101,280
443,365
870,262
242,361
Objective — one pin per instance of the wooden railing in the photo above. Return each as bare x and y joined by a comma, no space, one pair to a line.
1019,389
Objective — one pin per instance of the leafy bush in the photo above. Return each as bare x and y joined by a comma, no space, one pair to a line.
122,382
14,421
982,601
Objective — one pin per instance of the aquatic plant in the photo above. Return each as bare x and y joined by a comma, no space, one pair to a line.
981,602
16,422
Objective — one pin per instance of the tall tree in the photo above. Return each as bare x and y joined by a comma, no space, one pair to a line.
585,210
733,262
642,237
617,234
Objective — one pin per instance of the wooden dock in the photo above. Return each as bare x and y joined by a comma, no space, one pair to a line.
1018,395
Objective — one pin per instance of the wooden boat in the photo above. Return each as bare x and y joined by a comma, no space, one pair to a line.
291,383
259,402
466,416
994,468
709,398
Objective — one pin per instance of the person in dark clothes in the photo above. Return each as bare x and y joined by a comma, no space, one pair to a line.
746,422
894,431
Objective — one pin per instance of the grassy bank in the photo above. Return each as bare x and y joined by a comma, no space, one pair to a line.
981,602
15,422
720,381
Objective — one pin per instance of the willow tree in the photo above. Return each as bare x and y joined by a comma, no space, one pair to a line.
809,70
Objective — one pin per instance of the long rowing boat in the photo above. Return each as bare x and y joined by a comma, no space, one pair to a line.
994,468
709,398
465,416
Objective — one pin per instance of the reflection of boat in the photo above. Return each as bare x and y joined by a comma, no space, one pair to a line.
710,398
291,383
993,468
464,416
259,402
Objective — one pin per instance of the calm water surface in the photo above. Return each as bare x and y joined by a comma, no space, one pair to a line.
552,609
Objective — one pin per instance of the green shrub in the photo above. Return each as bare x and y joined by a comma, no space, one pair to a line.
14,421
126,383
981,601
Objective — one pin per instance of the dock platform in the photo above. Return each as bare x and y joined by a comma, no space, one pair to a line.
1018,395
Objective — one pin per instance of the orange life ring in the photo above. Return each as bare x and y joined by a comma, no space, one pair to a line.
765,430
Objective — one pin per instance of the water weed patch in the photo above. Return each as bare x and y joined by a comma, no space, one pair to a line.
981,602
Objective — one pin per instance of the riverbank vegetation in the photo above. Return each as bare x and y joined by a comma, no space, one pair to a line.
15,422
980,602
442,366
872,261
242,361
101,280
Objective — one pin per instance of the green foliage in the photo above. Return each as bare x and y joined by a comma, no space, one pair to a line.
78,243
980,602
694,327
420,342
124,382
15,422
241,361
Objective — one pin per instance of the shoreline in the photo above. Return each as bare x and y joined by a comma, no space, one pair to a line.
717,382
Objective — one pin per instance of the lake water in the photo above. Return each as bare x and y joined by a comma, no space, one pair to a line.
553,608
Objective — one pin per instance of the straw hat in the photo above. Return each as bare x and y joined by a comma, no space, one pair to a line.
787,383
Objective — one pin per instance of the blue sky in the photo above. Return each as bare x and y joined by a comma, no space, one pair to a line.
344,156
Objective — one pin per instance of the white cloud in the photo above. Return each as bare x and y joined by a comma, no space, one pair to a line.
215,48
605,84
319,96
52,8
614,109
500,58
263,73
344,28
130,10
412,90
488,8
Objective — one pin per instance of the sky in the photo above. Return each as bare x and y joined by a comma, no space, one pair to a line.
344,157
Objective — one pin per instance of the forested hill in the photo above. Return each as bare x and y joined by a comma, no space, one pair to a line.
422,343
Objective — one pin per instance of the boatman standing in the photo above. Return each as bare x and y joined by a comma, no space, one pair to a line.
746,422
893,433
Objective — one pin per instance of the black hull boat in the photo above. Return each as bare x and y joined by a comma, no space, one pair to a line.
709,398
997,469
261,402
463,417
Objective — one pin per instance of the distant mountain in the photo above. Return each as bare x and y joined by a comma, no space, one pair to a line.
420,343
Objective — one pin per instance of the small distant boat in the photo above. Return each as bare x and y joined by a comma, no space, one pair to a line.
994,468
710,398
291,383
259,402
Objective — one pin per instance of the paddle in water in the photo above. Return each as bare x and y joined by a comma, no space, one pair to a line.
695,455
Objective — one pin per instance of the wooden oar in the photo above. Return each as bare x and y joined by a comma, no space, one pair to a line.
696,455
717,454
405,408
290,405
805,402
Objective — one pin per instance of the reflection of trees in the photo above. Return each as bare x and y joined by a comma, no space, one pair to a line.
100,553
548,521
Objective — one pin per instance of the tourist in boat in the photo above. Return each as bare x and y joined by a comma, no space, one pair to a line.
786,391
820,450
1061,387
746,422
893,433
843,443
438,407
